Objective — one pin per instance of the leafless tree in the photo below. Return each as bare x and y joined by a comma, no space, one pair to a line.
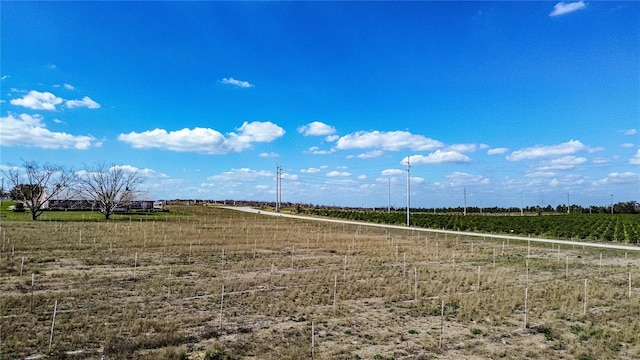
109,188
35,184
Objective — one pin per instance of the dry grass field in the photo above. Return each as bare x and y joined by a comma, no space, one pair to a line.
210,283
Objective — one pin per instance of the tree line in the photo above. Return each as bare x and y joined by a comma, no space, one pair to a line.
107,188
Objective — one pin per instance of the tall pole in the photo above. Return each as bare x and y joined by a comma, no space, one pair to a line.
408,189
389,198
280,188
277,188
611,204
464,212
521,205
568,205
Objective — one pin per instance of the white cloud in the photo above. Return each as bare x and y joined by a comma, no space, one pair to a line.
36,100
242,174
563,8
635,160
316,151
146,172
539,151
269,155
630,132
620,178
85,102
310,171
332,138
30,131
387,172
497,151
563,163
338,173
362,177
204,140
438,157
316,128
387,140
68,86
462,148
260,131
627,145
461,178
371,154
238,83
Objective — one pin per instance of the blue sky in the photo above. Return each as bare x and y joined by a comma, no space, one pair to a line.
514,102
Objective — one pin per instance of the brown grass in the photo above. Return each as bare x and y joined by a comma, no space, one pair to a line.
278,275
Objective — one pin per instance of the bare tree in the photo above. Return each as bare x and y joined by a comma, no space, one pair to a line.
35,184
109,188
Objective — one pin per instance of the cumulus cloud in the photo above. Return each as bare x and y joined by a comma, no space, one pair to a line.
30,131
387,140
310,170
146,172
438,157
36,100
568,148
620,178
388,172
563,8
204,140
497,151
316,128
635,160
338,173
461,178
630,132
242,174
563,163
371,154
238,83
85,102
316,151
269,155
462,148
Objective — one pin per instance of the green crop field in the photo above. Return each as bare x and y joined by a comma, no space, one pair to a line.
621,228
211,283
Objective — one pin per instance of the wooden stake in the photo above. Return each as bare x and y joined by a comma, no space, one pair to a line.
584,310
629,285
344,273
478,287
53,322
404,264
33,281
494,256
221,303
415,283
21,266
335,289
441,323
135,267
313,340
526,305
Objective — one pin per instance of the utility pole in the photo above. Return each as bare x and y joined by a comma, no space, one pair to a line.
278,186
611,204
389,198
408,189
464,211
